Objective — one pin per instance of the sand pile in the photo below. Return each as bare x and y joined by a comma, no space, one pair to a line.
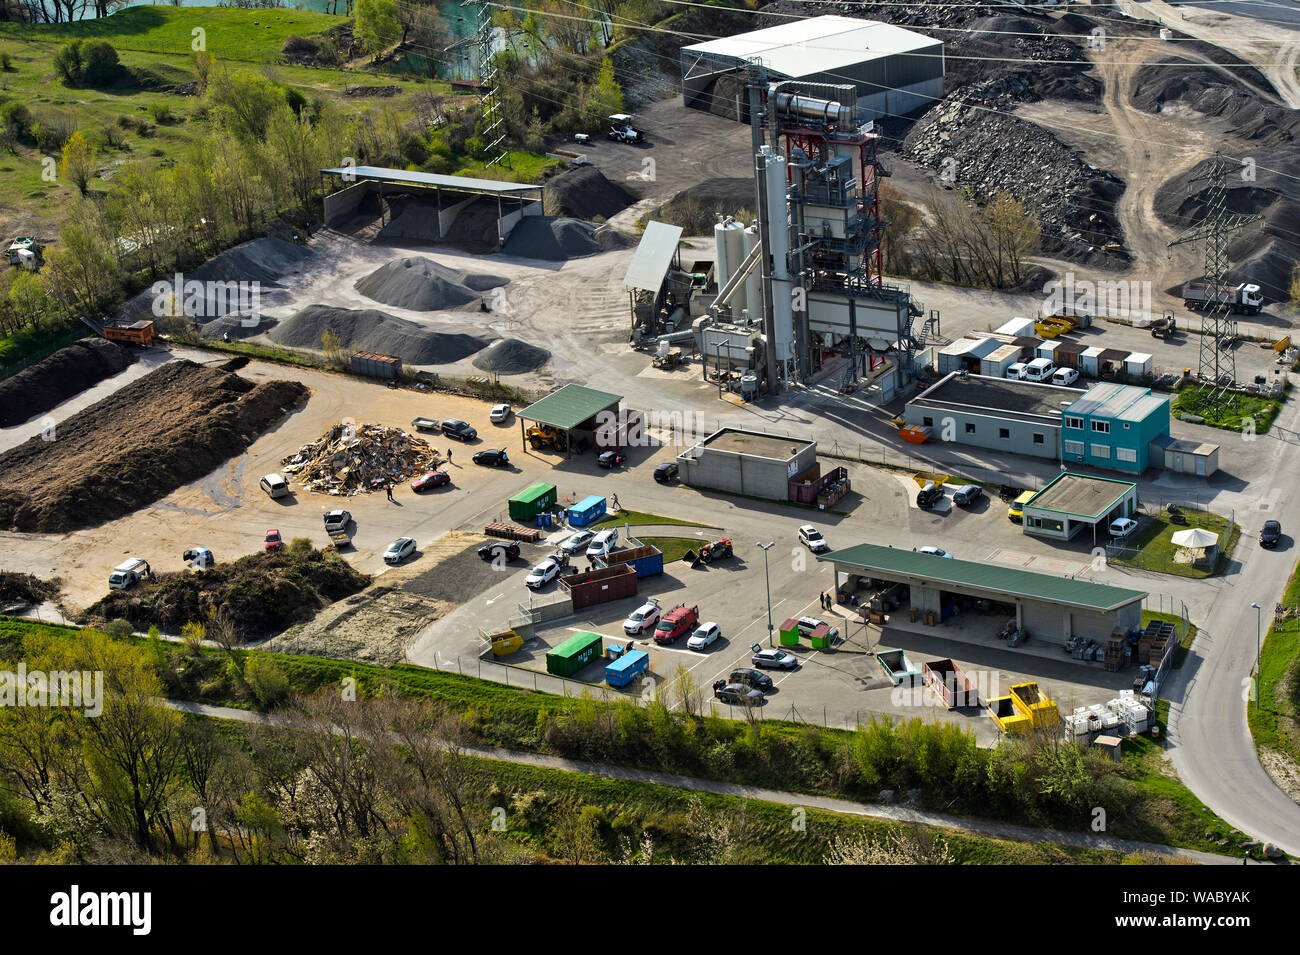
375,331
584,193
510,356
425,286
68,372
365,458
162,431
552,239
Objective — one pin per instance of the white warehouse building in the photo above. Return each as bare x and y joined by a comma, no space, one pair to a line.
896,72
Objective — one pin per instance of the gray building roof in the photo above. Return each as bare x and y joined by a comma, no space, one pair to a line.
1079,495
1006,397
1111,400
817,44
1007,581
653,256
466,183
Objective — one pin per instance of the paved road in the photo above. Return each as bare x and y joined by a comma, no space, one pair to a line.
901,814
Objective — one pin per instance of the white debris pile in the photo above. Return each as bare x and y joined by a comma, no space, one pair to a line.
351,459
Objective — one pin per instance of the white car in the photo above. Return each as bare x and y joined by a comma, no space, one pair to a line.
1065,376
499,413
337,520
641,619
602,544
935,552
1122,527
812,538
704,635
577,543
399,550
543,573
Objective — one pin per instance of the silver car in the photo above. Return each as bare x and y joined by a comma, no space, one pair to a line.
399,550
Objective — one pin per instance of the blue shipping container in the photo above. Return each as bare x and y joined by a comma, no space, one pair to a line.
587,510
627,668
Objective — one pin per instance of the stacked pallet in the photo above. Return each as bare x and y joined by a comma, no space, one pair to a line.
1154,640
1114,658
513,532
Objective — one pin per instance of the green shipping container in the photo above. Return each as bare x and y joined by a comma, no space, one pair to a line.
573,654
531,501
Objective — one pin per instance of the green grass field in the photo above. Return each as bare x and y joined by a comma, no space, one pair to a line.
622,517
1156,550
1275,722
254,36
1236,412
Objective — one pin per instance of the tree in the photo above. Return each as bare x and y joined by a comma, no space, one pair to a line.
77,162
86,63
608,97
1016,233
244,104
68,63
202,60
377,26
80,273
427,30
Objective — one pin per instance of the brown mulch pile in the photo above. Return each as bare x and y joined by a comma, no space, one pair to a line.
69,371
160,432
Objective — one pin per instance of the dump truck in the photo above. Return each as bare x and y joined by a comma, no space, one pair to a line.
1244,298
131,333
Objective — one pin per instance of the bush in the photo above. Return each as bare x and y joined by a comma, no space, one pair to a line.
86,63
16,120
112,137
266,681
6,63
119,628
162,113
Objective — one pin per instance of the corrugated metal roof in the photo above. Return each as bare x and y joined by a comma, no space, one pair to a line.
884,561
817,44
653,256
1143,408
569,407
432,179
1108,399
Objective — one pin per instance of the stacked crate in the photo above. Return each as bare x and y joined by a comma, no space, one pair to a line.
1114,658
1155,638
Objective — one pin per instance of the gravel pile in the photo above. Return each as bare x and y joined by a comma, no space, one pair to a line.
425,286
510,356
260,260
552,239
414,220
68,372
475,228
585,193
237,326
375,331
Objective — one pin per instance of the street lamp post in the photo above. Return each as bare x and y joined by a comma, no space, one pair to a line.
768,582
1259,616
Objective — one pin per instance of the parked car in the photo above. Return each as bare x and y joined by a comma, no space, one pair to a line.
273,539
705,635
499,550
812,538
1122,527
399,550
455,428
611,459
492,458
808,624
337,520
602,543
542,574
274,485
666,473
934,552
1016,371
1064,376
1040,369
127,573
499,414
755,679
641,619
967,494
737,694
680,620
930,495
774,658
430,480
577,543
1016,512
1270,534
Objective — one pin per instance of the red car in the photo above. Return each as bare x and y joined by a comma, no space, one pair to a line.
427,482
273,541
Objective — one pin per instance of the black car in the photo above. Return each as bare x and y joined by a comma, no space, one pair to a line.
754,679
929,495
455,428
492,458
494,550
1270,534
666,473
611,459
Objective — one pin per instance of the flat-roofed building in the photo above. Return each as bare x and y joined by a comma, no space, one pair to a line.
1073,502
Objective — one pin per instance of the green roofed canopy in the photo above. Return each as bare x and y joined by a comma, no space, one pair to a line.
1007,581
570,406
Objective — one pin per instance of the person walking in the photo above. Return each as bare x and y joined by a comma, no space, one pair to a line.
449,455
389,489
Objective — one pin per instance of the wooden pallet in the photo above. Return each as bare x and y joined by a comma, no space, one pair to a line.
513,532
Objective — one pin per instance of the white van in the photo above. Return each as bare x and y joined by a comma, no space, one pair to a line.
603,543
274,485
1016,371
127,573
1040,369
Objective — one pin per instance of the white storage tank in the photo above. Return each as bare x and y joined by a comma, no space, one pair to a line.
753,284
728,237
